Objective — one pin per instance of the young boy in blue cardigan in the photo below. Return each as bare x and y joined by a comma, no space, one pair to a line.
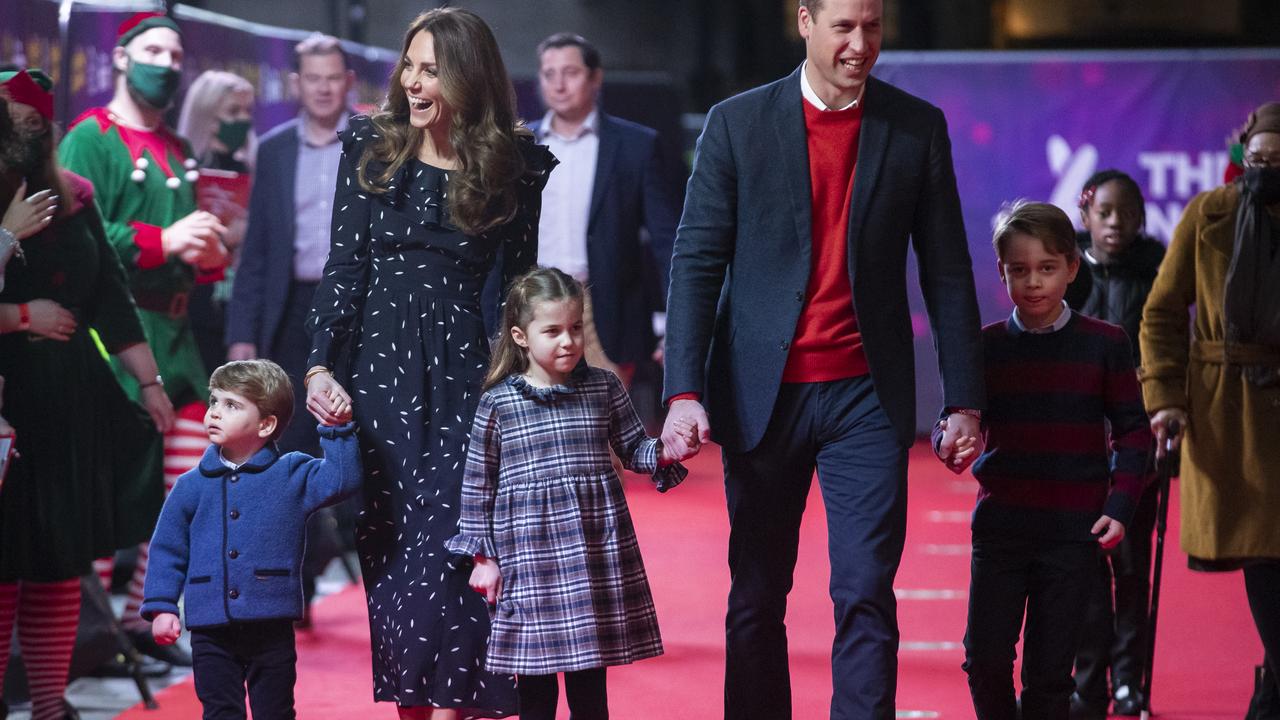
230,541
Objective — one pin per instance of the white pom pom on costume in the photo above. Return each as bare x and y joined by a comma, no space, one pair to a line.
173,183
138,175
141,163
189,163
191,176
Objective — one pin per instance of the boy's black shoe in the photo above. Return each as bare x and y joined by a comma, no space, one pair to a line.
1128,701
1082,710
147,645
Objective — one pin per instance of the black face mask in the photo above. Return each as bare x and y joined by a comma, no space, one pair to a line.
1264,182
28,154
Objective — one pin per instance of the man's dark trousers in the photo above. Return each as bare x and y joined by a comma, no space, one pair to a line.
839,428
260,655
1051,580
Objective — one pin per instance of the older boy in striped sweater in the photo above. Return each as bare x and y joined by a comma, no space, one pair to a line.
1066,452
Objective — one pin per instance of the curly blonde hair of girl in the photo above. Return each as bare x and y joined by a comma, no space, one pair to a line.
536,286
483,130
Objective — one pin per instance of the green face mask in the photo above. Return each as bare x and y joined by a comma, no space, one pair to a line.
155,84
233,133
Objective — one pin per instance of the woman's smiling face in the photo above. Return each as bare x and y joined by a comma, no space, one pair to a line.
428,110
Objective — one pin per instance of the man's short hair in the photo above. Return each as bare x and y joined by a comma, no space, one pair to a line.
319,44
1042,221
262,383
813,6
590,55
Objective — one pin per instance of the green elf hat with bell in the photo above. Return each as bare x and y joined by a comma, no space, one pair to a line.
142,22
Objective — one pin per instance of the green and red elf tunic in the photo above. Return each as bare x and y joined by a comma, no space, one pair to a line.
144,181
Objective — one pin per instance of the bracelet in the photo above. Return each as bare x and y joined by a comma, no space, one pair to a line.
313,372
976,414
158,381
24,317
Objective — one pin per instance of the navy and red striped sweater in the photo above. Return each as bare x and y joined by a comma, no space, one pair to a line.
1049,470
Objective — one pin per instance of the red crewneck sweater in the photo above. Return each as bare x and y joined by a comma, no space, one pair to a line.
827,344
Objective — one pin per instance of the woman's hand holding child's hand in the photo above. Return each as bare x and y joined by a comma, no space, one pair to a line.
166,628
1110,532
486,579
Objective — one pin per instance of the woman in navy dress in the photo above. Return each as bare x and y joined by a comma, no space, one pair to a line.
432,191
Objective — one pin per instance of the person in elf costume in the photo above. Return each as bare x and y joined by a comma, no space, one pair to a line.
144,179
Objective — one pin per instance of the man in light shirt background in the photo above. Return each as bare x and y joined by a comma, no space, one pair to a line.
608,203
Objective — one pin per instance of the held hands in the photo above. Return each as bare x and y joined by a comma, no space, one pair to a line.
688,430
1160,427
486,579
685,430
1110,532
961,441
26,217
326,400
196,240
166,628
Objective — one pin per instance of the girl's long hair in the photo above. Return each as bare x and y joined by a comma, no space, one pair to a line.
537,285
473,80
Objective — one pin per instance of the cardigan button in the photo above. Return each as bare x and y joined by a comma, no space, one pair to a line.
235,514
233,594
234,554
784,344
799,297
235,478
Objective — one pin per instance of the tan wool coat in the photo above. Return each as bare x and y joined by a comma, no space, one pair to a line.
1231,451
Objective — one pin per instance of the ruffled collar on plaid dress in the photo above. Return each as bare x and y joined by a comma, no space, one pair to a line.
546,394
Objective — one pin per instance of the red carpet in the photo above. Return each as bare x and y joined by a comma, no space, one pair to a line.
1206,647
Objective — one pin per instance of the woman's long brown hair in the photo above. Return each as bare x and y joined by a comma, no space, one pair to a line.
473,80
537,285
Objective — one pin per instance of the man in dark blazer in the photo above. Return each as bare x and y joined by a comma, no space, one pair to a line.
609,186
788,317
287,239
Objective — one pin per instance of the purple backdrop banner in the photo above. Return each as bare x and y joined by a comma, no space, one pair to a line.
1036,124
261,54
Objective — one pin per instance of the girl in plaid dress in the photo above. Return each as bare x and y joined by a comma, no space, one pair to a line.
543,513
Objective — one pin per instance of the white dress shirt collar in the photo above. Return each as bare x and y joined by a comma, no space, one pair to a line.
809,94
1057,325
590,125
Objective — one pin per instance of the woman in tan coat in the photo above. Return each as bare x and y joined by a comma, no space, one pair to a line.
1221,380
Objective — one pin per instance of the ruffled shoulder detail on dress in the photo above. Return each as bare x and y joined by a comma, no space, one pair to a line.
360,130
538,162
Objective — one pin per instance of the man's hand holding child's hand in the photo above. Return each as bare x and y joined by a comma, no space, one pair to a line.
956,452
166,628
1110,532
688,431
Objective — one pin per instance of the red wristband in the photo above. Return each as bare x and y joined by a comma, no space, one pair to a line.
24,317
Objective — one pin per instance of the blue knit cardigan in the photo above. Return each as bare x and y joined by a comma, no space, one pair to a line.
232,541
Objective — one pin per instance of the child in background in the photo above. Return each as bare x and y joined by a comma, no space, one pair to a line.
1051,492
1120,264
543,513
230,539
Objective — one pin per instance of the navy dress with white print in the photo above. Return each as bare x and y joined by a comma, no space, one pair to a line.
397,317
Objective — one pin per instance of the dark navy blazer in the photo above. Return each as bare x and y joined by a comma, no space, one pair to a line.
743,251
630,192
265,272
231,541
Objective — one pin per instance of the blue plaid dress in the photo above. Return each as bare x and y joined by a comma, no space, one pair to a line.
540,496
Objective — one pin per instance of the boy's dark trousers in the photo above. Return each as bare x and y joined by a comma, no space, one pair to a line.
260,655
1115,635
1052,581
